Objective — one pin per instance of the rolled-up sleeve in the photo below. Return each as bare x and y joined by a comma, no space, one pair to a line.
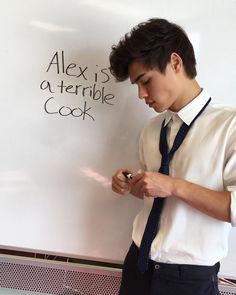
229,173
233,208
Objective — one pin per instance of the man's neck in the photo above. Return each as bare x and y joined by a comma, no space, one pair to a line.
190,91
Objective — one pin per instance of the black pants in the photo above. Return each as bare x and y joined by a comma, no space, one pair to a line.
167,279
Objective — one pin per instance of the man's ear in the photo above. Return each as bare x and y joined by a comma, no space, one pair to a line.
176,62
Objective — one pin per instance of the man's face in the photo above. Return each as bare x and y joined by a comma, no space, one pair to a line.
160,91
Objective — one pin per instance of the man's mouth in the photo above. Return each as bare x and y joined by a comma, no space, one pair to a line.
150,103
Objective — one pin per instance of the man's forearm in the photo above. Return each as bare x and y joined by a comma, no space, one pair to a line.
213,203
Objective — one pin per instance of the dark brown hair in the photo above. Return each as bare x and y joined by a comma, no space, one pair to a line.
152,42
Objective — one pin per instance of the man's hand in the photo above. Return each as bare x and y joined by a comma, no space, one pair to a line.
120,184
150,184
153,184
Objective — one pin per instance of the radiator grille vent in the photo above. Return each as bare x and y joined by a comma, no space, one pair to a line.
227,290
65,280
87,283
57,281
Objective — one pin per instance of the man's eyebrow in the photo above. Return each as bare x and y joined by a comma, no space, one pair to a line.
138,78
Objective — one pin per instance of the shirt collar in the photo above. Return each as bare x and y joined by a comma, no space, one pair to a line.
190,111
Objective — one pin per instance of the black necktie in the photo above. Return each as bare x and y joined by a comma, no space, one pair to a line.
152,225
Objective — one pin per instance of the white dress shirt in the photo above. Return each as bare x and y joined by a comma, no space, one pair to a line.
207,157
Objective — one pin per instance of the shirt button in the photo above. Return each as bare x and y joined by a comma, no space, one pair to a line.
157,266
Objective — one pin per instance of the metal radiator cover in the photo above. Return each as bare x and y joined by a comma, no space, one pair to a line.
58,277
53,277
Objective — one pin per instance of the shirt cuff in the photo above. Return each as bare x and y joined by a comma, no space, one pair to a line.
233,208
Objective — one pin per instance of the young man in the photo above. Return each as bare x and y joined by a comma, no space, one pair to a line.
195,188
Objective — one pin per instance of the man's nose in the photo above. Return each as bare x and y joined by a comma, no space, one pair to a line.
142,93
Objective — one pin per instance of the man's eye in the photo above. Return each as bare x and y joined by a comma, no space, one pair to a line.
145,82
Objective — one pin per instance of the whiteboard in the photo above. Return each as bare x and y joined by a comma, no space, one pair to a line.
66,126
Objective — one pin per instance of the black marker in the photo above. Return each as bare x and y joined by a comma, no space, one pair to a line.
128,175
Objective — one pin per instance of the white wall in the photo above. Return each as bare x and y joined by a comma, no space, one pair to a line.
55,171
